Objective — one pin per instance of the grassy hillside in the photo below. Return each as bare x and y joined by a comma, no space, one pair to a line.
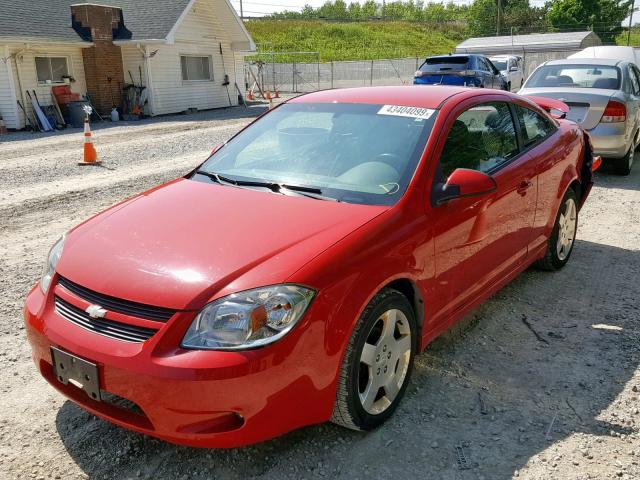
355,41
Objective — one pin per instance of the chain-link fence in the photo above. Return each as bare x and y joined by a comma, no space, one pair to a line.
299,75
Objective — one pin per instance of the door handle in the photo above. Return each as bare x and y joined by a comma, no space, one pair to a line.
524,186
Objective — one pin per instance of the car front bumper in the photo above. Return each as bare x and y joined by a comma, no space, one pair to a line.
610,140
190,397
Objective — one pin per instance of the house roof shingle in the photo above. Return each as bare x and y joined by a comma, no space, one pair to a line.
51,19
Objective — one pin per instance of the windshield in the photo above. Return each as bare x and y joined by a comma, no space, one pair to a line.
499,64
576,76
439,64
355,153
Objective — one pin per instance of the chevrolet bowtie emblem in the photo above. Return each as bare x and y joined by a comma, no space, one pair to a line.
96,311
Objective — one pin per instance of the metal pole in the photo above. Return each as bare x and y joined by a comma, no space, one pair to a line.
331,73
318,63
371,77
293,78
498,19
241,12
633,6
273,70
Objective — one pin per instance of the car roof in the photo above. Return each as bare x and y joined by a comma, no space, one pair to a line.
457,55
423,96
585,61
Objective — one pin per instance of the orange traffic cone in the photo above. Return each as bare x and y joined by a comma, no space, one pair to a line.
277,93
90,154
250,95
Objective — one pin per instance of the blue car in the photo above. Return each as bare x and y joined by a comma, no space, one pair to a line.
461,70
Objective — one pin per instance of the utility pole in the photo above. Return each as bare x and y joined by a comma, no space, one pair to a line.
498,19
633,7
384,4
241,12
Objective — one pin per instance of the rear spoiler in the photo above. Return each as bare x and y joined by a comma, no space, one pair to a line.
555,108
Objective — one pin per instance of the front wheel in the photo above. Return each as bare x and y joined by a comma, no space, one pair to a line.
563,235
377,363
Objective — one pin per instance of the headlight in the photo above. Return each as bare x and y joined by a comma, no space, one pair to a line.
50,267
248,319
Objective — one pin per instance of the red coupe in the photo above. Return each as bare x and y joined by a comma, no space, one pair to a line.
293,276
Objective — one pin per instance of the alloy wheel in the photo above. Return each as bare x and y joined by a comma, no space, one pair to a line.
566,229
384,361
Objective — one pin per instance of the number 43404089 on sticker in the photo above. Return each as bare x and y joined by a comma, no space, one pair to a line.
403,111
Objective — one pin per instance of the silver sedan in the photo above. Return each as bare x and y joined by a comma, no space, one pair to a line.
603,97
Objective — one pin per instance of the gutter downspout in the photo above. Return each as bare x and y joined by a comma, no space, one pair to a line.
8,60
147,72
15,56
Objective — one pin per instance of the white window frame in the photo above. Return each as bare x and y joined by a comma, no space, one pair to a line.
50,56
196,55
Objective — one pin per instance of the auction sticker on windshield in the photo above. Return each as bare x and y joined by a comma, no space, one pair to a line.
402,111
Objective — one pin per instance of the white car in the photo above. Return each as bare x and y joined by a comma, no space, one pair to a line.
627,54
512,69
603,96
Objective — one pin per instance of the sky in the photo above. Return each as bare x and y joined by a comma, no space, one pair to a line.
258,8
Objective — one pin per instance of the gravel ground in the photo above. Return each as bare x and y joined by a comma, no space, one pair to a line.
541,382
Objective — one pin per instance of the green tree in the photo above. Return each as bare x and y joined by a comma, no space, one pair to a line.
603,16
482,17
516,16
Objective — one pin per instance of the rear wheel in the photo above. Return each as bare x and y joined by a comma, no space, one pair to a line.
563,235
622,166
377,363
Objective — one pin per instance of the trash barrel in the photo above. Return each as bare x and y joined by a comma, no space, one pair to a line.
76,113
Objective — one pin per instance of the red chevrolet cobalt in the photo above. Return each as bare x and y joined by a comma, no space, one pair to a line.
293,277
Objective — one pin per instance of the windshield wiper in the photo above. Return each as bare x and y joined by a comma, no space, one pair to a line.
311,192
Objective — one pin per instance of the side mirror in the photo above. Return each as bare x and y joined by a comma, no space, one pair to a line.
464,182
513,69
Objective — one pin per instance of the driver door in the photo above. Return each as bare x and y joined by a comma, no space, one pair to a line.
480,241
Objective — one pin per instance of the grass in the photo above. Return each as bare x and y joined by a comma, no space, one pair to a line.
635,37
354,41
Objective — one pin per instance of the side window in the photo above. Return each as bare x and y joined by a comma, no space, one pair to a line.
635,80
534,126
482,138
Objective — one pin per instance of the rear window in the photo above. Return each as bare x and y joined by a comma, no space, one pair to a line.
500,64
439,64
576,76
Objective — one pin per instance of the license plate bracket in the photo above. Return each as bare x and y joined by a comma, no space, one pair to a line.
79,372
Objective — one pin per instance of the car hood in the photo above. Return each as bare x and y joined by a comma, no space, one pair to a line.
178,245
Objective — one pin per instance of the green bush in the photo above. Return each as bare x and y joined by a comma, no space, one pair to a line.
355,41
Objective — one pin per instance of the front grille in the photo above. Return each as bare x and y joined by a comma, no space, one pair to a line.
126,307
108,328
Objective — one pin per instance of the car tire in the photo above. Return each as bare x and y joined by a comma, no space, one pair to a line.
508,88
372,382
562,239
622,166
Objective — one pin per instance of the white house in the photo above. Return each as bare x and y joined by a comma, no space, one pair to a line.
183,51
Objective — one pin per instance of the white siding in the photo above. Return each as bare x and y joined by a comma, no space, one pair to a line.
26,68
133,61
8,106
200,33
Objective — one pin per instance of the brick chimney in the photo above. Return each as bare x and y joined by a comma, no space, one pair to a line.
103,68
